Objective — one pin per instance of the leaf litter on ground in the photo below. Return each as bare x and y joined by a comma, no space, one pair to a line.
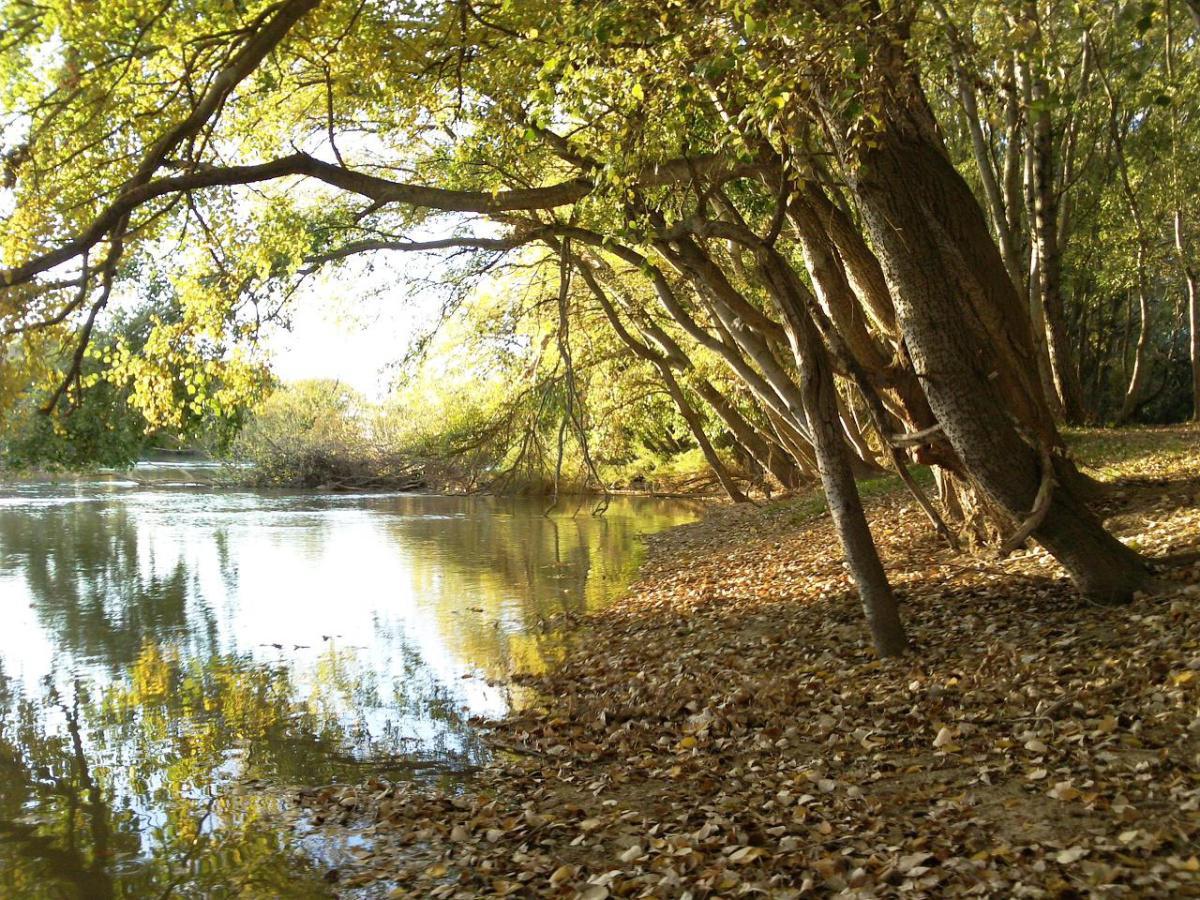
725,729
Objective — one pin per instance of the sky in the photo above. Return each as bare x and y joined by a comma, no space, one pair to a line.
354,324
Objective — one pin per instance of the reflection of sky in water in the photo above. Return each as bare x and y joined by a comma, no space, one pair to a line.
206,636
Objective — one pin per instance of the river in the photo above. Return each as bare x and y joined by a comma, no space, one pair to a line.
174,660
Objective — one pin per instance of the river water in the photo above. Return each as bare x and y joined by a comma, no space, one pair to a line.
173,660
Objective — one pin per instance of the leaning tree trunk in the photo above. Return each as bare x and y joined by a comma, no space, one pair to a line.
819,391
694,423
845,505
835,462
951,288
663,367
783,408
773,459
842,306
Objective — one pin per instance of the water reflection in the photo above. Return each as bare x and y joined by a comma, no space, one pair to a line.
126,790
169,659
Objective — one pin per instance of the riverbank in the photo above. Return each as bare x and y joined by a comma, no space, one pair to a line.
724,728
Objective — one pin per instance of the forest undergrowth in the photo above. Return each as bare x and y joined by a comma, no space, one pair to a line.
725,729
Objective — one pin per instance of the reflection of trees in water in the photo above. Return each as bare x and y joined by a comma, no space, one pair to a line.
90,586
122,788
109,791
414,695
37,763
410,695
501,572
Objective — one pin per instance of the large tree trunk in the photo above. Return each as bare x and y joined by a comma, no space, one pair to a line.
842,306
861,264
950,286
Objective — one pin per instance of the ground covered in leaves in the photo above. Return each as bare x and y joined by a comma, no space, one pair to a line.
725,729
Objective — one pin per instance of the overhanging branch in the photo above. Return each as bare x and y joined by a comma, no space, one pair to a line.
379,190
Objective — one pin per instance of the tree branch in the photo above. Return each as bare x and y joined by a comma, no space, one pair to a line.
379,190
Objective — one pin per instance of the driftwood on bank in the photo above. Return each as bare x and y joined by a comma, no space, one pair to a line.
328,470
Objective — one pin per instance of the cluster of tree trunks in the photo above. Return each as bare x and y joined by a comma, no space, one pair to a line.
868,309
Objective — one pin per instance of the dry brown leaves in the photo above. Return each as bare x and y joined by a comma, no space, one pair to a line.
724,730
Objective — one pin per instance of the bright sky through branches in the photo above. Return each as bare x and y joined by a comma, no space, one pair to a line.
352,324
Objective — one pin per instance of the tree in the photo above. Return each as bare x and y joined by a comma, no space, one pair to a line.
766,185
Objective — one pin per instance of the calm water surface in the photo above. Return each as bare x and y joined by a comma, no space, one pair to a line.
172,660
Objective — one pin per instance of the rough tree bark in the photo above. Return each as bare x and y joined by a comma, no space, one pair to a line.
841,305
949,284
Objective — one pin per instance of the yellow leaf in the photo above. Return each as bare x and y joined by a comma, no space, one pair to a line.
744,855
1064,791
